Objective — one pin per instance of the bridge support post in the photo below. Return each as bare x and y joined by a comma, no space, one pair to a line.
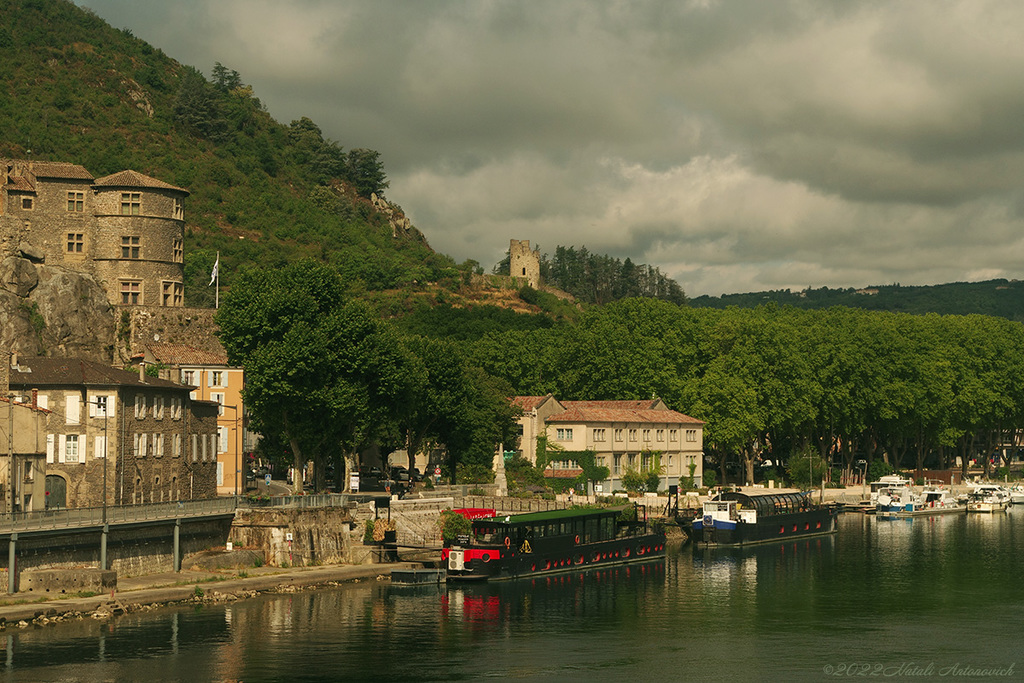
12,565
103,546
177,545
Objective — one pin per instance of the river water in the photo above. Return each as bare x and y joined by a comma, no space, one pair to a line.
931,598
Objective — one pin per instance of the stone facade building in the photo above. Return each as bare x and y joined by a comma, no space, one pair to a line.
125,229
624,435
210,378
523,262
142,436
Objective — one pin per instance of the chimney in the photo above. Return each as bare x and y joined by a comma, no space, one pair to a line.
35,398
142,372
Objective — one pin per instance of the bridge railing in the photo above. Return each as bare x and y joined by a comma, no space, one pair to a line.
63,518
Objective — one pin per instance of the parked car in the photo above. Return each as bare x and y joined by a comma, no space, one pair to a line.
399,474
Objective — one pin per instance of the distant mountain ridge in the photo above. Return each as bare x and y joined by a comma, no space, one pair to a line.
1001,298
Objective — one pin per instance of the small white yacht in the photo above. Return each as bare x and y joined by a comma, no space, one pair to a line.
987,498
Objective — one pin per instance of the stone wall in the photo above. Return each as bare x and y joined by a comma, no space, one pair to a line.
131,551
141,325
318,536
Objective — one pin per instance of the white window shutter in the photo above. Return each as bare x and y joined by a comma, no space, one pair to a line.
111,402
142,446
220,474
49,448
61,447
100,447
209,378
92,407
71,409
43,401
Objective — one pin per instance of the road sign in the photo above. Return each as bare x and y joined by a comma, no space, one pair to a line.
267,479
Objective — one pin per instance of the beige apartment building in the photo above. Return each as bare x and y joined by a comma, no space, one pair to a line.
624,435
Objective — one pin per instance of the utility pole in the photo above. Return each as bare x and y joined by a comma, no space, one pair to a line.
10,447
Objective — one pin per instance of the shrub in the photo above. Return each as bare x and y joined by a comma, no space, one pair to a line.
452,524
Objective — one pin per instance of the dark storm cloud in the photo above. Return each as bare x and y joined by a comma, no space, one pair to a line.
736,145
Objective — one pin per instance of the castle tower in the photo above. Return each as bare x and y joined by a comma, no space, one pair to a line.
524,263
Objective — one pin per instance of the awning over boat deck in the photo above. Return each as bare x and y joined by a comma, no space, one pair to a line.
769,503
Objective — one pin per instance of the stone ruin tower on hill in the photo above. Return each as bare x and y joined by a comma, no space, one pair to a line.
524,263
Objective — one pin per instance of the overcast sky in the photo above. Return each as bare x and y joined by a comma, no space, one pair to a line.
738,146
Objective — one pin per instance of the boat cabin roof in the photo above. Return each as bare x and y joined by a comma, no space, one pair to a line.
769,503
534,518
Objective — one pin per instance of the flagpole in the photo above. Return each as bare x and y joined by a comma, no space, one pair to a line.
217,291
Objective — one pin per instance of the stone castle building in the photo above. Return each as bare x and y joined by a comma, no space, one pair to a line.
125,229
524,263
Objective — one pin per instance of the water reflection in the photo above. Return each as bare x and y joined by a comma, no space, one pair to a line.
945,588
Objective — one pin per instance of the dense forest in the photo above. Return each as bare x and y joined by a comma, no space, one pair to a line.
600,278
1003,298
76,90
770,381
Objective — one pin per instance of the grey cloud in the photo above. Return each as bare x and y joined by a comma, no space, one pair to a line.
736,145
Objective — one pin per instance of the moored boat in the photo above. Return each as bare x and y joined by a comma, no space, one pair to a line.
737,518
987,498
537,543
1017,495
902,501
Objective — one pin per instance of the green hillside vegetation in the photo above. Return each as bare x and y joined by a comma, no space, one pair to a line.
1002,298
75,89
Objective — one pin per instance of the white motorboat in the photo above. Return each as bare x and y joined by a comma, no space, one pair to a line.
1017,495
987,498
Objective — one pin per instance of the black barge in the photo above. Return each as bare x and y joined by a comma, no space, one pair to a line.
736,518
537,543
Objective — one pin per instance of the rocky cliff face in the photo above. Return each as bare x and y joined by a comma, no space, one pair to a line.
51,311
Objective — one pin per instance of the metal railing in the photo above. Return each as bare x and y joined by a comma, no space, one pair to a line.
70,518
316,500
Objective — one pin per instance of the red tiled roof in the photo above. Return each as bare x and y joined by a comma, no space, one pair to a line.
182,354
135,179
54,169
19,184
529,402
615,414
645,404
75,371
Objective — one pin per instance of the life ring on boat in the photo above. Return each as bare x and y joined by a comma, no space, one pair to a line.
577,539
508,542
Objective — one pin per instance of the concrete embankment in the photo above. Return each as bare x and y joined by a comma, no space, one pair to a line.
145,592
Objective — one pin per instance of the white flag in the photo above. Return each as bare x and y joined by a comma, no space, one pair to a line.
216,267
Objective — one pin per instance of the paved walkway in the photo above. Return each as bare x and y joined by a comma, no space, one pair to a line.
178,586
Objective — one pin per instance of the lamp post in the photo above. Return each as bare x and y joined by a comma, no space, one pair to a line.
106,453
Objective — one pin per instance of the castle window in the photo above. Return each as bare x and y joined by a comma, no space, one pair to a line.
76,243
131,292
130,246
131,203
26,203
173,294
76,202
179,208
179,253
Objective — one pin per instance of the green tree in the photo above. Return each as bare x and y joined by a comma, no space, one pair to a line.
364,171
321,370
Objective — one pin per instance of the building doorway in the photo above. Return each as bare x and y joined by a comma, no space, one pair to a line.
56,492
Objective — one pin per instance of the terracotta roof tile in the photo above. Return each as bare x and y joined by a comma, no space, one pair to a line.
134,179
57,169
75,371
645,404
615,414
19,184
529,402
